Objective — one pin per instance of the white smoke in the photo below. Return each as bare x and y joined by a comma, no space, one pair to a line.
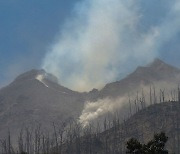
93,110
102,41
40,78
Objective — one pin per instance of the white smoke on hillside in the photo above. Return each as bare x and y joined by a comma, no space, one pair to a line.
102,107
93,110
103,41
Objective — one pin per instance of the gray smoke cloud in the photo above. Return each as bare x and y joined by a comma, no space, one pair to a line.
102,107
103,41
93,110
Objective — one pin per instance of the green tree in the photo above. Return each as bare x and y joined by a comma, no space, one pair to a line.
134,146
155,146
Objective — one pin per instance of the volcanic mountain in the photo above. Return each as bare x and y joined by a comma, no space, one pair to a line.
157,73
36,96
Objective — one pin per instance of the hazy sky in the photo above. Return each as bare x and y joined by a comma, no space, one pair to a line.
28,28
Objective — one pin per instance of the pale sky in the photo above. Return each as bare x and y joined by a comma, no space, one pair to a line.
29,28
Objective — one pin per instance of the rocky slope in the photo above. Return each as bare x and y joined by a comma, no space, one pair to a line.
163,117
35,97
157,73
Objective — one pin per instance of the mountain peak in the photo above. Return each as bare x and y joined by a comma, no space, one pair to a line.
30,74
34,74
161,66
156,63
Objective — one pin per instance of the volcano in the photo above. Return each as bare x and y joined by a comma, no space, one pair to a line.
37,97
157,73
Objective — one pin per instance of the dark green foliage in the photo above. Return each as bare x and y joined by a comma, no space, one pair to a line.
155,146
134,146
23,152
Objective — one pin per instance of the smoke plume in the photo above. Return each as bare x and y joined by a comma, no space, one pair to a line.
94,110
103,41
125,104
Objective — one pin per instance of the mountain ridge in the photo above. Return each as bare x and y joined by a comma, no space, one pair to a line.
143,75
36,96
30,100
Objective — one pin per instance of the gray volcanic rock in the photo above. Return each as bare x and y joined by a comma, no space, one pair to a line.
35,97
157,71
163,117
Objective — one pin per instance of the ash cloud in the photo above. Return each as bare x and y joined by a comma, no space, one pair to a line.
103,41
